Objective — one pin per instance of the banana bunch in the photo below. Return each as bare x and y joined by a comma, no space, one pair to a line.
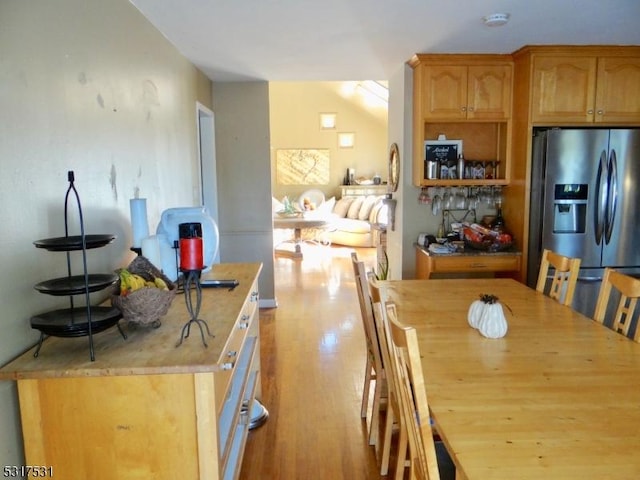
130,282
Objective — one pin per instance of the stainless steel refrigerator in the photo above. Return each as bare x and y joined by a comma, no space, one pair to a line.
585,202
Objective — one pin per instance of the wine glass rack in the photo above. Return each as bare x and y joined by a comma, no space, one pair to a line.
76,321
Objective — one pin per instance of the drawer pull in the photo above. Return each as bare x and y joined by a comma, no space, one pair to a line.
244,417
244,322
254,296
478,265
227,366
231,353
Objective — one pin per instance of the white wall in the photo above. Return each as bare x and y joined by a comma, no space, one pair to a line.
294,119
89,86
399,248
244,190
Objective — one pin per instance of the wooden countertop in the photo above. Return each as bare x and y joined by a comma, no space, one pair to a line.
146,350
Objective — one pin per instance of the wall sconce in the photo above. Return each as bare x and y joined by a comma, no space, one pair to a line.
346,140
328,121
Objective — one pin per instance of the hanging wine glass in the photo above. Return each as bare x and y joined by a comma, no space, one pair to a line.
497,196
436,204
424,198
473,198
446,198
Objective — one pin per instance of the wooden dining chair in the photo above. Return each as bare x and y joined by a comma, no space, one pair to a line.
565,276
629,289
407,372
374,371
393,417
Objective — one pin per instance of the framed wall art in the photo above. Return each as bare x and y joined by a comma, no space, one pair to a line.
302,166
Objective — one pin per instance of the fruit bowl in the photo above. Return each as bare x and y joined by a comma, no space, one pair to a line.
485,240
146,305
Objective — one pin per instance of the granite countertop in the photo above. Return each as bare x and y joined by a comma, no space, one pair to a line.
469,252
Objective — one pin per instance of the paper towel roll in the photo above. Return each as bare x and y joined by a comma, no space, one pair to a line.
151,250
139,224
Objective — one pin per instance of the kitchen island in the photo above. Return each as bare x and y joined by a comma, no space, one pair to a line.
468,261
146,408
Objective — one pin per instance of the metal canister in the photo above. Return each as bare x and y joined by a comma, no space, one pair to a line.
461,164
432,170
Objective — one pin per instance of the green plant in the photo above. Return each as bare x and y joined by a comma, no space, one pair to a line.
383,268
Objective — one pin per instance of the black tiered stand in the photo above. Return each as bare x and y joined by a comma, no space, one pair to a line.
76,321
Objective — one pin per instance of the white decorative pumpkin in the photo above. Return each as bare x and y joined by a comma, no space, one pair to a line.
475,312
493,323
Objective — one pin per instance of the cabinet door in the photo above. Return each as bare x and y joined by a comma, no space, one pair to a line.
563,89
444,92
618,90
489,92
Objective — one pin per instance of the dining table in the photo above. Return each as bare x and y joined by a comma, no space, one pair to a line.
558,397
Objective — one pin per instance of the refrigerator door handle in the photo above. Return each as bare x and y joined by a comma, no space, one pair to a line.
589,279
612,195
601,195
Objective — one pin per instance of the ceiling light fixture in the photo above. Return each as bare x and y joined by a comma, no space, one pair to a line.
496,19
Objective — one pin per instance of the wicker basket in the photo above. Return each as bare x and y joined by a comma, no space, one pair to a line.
146,305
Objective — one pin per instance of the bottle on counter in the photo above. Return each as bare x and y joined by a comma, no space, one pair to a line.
461,163
498,223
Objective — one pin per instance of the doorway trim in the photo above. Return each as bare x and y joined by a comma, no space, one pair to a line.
207,171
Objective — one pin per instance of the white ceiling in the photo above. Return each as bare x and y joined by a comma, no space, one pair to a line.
280,40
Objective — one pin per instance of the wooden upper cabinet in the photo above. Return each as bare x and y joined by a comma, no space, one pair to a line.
585,89
461,92
563,89
444,91
618,90
464,97
489,92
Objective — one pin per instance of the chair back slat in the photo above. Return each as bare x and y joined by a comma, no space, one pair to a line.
565,276
409,379
629,289
364,299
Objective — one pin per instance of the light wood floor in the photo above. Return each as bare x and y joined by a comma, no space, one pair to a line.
313,359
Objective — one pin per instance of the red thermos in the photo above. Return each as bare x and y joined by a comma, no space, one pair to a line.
190,235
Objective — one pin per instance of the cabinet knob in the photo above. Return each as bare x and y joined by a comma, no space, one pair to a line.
590,111
600,112
464,109
231,353
254,296
471,109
